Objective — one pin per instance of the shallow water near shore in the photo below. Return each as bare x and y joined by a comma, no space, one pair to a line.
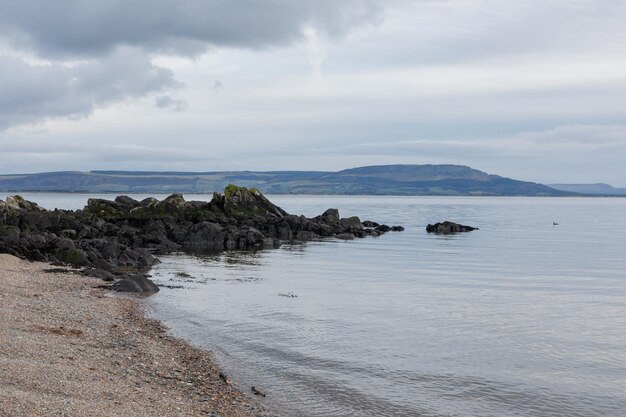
519,318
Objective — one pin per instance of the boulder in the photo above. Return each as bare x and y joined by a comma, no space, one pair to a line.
351,223
135,284
126,202
330,216
104,209
241,201
10,235
74,257
17,202
448,228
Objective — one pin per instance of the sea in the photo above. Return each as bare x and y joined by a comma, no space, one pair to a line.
524,317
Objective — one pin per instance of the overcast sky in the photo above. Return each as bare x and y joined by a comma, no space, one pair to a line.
530,89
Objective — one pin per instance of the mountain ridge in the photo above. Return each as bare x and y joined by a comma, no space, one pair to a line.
591,189
401,179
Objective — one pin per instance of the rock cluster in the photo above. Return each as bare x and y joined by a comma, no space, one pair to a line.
110,238
447,227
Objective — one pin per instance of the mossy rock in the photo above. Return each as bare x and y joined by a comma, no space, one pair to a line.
242,202
104,209
231,190
74,257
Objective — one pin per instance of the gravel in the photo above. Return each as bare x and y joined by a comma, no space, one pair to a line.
69,349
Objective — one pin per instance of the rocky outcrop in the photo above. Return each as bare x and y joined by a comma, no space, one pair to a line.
112,237
447,227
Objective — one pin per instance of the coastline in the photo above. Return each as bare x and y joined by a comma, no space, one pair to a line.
69,348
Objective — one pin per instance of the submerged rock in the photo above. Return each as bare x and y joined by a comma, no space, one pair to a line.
447,227
136,284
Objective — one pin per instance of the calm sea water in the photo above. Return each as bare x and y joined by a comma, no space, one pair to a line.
519,318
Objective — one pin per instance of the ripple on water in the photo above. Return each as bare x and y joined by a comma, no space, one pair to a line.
517,319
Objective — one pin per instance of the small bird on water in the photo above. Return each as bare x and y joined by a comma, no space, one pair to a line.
555,224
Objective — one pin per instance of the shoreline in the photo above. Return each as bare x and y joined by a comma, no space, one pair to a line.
69,348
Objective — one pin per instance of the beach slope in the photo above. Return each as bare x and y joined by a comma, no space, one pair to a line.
67,348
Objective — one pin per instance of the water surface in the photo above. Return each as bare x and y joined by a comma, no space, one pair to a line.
519,318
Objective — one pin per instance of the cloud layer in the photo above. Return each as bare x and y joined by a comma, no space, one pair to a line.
93,27
89,54
533,89
35,92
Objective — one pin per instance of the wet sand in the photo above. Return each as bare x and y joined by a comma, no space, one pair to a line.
69,349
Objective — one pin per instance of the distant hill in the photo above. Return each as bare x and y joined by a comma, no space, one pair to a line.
590,189
373,180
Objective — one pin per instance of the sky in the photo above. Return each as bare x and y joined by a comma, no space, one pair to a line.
531,89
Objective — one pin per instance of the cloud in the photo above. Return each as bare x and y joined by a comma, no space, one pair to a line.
167,102
581,135
93,27
31,93
71,57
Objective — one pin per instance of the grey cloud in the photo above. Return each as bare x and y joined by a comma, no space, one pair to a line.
89,27
32,93
167,102
596,136
452,31
117,36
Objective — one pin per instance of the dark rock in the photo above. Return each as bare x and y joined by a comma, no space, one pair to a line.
99,273
135,284
448,228
369,223
105,265
108,236
330,216
63,244
127,203
69,233
104,209
10,235
255,391
74,257
306,235
351,223
345,236
241,201
58,271
205,236
224,378
287,294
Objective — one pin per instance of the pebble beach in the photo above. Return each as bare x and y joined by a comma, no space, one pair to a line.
68,348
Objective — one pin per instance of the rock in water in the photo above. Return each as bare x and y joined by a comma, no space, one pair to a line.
241,201
445,228
136,284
